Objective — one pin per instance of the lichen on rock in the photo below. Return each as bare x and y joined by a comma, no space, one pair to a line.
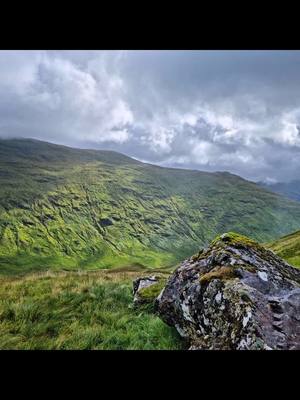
234,295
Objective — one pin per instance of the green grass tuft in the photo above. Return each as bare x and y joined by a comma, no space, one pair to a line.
78,311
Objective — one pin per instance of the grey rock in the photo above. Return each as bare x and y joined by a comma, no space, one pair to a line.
234,295
142,283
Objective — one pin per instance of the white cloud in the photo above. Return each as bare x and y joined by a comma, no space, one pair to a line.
118,136
73,102
202,152
18,69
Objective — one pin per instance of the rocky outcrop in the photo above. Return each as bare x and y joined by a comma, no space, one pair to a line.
147,288
234,295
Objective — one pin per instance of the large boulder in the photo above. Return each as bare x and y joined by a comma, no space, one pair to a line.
234,295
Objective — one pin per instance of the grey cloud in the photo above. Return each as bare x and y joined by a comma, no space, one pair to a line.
211,110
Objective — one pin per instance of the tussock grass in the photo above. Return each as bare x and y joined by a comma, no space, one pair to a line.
78,310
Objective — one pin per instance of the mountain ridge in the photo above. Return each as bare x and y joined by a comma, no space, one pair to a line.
70,208
288,189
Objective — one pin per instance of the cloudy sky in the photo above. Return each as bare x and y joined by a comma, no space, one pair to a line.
210,110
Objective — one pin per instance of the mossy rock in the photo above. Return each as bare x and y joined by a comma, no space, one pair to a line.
149,294
236,295
222,273
147,289
234,239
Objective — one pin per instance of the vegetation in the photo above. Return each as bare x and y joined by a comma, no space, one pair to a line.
288,189
94,309
234,239
77,226
78,311
63,208
288,248
218,273
149,293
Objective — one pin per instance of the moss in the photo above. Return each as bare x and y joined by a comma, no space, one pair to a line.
197,256
234,239
151,292
218,273
245,297
250,268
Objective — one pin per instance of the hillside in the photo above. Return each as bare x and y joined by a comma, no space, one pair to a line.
288,189
71,208
288,247
96,310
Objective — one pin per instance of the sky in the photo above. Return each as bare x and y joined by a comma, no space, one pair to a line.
236,111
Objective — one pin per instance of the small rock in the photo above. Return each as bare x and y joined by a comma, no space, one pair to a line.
146,289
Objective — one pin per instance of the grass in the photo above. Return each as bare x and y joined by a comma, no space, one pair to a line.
63,208
288,248
78,311
90,310
70,209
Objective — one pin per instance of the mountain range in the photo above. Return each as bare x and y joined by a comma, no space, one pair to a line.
65,208
289,189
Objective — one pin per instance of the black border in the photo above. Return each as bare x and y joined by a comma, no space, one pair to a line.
137,26
196,29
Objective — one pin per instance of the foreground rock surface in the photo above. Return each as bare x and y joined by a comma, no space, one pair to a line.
234,295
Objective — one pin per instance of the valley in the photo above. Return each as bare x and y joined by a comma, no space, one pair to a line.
64,208
78,226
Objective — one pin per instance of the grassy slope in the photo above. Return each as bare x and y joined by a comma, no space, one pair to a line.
69,208
90,309
288,247
78,311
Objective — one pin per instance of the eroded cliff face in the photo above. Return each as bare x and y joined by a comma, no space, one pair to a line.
234,295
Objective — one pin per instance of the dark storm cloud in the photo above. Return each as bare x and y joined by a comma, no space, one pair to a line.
211,110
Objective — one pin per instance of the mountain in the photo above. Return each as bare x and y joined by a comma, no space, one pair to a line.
288,247
288,189
64,208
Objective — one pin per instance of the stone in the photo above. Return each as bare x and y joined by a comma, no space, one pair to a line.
234,295
146,289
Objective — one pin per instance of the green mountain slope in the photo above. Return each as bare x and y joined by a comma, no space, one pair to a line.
288,247
71,208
